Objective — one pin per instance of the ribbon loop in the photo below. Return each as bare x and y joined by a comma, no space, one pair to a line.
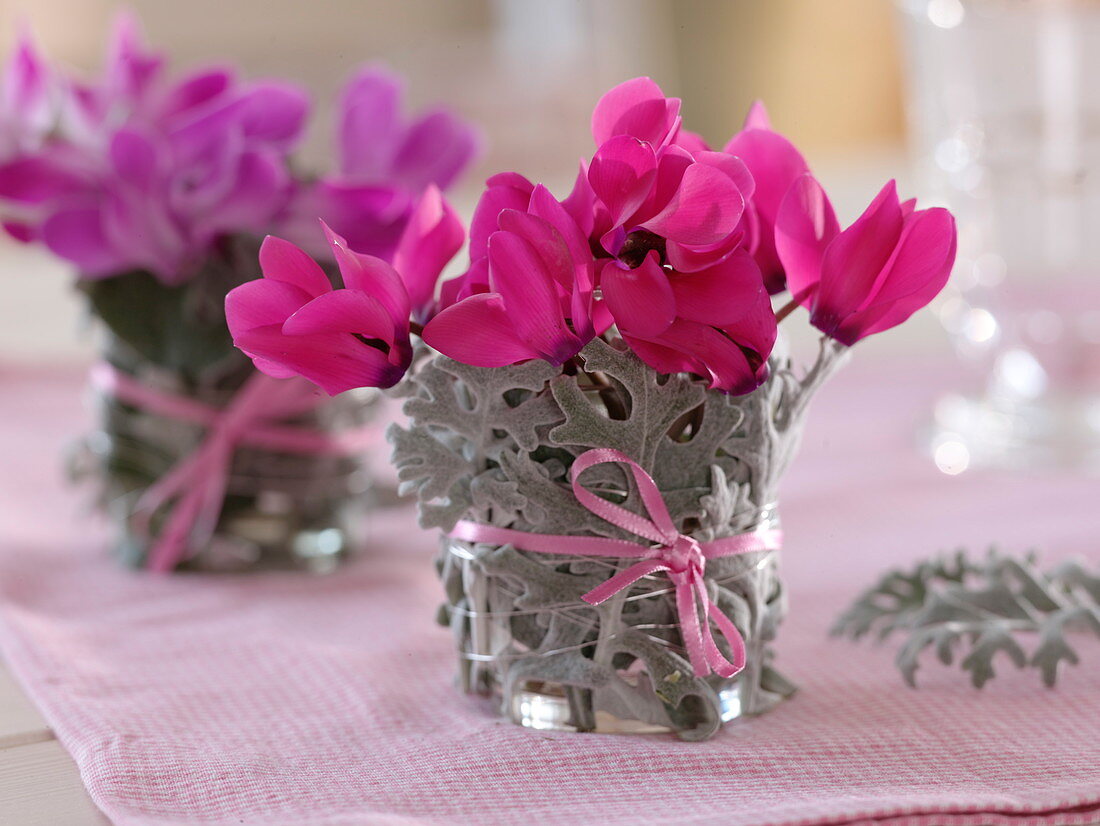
681,557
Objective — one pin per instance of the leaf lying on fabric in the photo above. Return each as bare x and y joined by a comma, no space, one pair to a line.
977,610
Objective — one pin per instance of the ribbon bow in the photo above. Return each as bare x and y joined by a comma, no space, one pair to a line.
197,484
682,557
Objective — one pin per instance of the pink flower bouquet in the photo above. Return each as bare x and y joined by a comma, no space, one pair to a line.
156,189
601,429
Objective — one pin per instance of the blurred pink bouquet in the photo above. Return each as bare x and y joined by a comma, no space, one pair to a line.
139,170
157,188
672,246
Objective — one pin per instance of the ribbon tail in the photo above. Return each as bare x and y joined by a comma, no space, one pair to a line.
690,630
723,667
170,547
623,580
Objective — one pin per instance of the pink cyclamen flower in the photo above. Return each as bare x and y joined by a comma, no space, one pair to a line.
385,160
294,322
147,172
892,261
537,302
775,164
651,184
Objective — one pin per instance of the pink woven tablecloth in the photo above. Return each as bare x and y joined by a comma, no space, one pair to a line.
292,700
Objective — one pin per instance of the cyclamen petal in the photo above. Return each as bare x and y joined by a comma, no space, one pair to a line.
855,258
371,275
262,303
722,294
335,362
637,108
370,124
641,300
508,190
622,174
526,282
435,150
431,239
78,235
281,260
804,228
775,164
478,331
705,209
275,113
926,244
342,311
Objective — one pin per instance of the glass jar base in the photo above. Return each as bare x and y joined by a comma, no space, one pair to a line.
548,709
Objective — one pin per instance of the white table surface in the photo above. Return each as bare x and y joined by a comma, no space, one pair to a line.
39,782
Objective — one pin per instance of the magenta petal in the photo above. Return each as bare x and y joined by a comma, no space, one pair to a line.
641,299
478,331
25,88
856,257
370,218
757,117
78,235
804,227
436,149
775,164
547,243
621,173
333,361
923,257
130,69
546,207
370,124
688,258
262,303
526,283
342,311
704,210
662,358
691,141
371,275
259,190
281,260
722,294
134,158
733,166
195,92
432,237
35,178
637,108
275,113
508,190
918,271
726,364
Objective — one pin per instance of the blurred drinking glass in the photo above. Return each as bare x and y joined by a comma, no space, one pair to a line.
1005,116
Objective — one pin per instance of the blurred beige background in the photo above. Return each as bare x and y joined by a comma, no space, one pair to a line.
527,71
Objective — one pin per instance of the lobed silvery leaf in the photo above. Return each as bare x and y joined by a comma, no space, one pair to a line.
980,612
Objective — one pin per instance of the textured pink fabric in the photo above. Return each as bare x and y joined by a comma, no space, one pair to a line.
291,700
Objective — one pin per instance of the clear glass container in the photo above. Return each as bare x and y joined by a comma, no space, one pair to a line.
1005,120
510,645
281,510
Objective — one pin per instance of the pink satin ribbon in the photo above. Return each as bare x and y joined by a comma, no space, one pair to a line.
197,484
682,557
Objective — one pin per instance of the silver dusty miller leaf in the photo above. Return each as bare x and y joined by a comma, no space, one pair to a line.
495,446
979,610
